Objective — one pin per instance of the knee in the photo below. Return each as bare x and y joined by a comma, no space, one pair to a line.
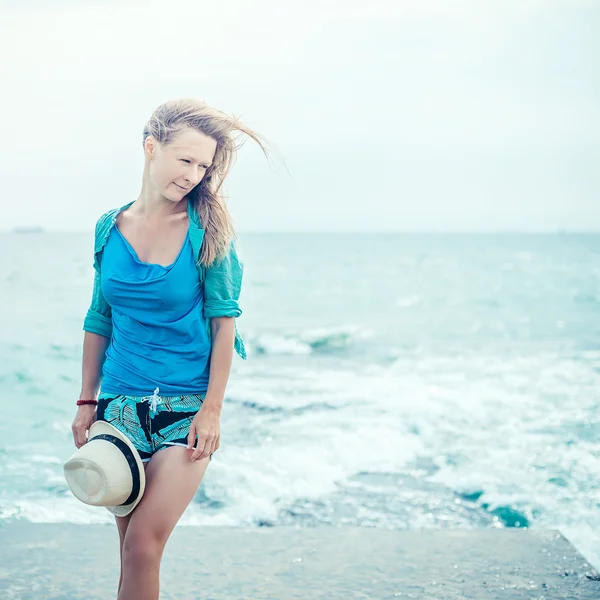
141,548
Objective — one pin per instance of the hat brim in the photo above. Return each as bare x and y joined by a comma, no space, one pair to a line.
103,427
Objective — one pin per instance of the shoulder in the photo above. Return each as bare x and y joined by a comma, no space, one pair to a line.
105,219
103,226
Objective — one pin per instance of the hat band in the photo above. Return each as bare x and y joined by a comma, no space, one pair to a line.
126,450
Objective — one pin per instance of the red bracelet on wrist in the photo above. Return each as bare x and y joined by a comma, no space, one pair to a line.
82,402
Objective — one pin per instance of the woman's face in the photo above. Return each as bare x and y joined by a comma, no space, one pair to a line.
175,169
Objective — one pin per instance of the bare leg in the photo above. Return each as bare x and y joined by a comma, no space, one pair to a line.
172,479
122,523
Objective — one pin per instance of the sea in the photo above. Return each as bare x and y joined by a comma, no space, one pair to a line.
397,381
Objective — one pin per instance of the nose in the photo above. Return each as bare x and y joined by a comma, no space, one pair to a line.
193,177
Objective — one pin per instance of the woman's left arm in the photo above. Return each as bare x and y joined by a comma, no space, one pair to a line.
222,287
223,334
207,422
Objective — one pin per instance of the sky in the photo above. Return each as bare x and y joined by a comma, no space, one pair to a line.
392,115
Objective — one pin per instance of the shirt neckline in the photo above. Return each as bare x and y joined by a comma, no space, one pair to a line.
149,264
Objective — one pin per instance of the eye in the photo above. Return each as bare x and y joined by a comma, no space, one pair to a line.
185,160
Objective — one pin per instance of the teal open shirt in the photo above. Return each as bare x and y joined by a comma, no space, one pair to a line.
222,281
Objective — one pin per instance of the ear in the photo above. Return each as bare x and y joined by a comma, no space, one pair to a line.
149,147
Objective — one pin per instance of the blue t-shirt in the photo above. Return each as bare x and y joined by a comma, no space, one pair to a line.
159,336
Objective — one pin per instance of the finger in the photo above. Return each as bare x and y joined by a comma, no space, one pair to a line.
81,435
201,446
75,430
200,442
208,449
191,438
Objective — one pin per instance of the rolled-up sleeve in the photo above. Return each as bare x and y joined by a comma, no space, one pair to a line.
223,285
222,288
99,315
98,318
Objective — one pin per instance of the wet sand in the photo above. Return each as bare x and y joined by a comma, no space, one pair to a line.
65,561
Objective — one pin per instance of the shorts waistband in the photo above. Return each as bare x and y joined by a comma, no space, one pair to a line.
144,397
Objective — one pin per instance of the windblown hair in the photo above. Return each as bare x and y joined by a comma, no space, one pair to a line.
173,117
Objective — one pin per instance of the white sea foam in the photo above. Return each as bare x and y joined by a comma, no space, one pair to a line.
408,301
328,339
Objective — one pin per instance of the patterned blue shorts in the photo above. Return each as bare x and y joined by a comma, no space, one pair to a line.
152,423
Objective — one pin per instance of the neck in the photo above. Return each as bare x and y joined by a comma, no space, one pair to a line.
150,206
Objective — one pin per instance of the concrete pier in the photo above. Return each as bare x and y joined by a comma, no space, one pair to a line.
64,561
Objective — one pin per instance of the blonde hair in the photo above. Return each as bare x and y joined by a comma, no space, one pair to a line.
171,118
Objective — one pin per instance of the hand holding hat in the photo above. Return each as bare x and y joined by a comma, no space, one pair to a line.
107,470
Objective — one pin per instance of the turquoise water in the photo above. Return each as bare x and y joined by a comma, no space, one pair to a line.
393,381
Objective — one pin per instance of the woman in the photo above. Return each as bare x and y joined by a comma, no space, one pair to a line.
160,331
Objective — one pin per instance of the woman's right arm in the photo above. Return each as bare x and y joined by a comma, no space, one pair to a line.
98,331
94,354
96,339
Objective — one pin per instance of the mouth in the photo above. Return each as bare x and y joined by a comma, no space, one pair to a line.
182,189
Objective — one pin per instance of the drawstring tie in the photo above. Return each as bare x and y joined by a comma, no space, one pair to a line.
153,400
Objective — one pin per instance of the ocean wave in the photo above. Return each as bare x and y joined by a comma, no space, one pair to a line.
460,439
321,340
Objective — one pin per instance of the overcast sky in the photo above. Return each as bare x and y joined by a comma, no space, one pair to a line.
389,114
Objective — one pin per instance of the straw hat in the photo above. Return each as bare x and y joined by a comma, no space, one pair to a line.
107,470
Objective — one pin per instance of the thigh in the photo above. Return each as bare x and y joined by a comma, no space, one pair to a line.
172,479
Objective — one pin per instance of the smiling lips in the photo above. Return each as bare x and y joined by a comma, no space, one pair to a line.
182,188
